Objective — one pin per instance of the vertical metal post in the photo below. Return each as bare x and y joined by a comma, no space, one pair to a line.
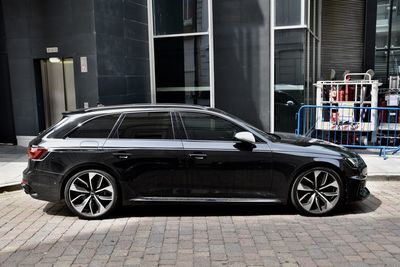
374,112
272,67
319,38
303,12
211,51
151,51
319,97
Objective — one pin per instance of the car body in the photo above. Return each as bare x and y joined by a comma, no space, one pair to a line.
180,153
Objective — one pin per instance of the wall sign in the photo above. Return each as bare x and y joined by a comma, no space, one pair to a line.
50,50
84,66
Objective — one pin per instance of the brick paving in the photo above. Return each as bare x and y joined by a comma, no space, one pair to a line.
33,232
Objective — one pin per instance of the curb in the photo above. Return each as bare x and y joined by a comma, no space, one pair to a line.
10,188
383,177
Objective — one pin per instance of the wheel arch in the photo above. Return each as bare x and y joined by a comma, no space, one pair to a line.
86,166
315,164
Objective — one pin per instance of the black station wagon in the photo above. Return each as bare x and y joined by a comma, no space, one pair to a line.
97,158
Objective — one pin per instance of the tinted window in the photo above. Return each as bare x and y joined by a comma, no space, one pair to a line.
149,125
208,127
180,16
96,128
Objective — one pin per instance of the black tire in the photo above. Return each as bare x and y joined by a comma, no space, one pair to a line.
101,199
314,202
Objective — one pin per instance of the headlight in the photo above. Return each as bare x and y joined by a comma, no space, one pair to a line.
353,161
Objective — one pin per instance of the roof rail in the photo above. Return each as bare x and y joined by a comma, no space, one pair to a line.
129,106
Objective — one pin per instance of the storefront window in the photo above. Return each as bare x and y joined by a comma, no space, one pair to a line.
180,16
181,61
387,45
395,33
296,60
394,63
380,65
289,59
288,12
382,24
182,70
290,47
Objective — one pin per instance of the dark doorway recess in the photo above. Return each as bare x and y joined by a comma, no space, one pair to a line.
7,130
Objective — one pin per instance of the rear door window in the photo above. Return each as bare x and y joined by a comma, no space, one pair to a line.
146,125
99,127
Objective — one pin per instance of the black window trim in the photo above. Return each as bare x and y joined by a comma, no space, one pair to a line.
123,115
80,124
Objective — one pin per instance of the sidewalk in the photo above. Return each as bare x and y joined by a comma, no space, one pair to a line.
379,168
13,161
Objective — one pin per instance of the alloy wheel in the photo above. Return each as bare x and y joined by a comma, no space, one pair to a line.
91,194
318,191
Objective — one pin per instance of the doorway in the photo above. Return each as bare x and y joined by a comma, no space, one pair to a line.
55,89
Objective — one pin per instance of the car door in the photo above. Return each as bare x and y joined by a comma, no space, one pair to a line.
146,154
220,167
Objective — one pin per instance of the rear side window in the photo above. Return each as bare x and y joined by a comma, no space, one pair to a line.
146,125
200,126
96,128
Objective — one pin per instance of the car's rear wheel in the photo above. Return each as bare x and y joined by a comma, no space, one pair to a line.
318,191
91,194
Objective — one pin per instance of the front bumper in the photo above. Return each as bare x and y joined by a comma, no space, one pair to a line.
357,186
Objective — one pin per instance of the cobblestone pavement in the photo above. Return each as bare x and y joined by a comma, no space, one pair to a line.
366,233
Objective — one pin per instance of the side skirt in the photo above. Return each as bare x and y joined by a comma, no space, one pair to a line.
206,200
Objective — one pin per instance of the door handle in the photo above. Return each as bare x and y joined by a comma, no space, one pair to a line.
122,155
198,156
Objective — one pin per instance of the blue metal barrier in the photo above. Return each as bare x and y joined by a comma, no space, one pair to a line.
352,126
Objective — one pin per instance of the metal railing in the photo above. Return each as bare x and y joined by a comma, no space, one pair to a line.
355,127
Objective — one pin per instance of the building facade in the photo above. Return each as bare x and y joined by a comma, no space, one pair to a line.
256,59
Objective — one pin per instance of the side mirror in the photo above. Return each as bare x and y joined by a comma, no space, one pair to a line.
245,137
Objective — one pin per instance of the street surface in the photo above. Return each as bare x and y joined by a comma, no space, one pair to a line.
366,233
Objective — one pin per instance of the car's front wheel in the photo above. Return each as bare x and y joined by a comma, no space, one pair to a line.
318,191
91,194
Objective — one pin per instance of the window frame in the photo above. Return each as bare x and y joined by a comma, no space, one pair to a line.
123,115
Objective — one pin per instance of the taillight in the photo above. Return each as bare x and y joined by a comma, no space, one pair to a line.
36,152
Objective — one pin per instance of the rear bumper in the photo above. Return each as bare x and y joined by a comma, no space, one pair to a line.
41,185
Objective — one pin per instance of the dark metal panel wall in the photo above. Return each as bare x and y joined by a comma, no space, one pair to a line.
30,27
122,51
342,43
